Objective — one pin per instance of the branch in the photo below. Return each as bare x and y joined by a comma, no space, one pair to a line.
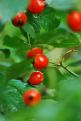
64,67
70,71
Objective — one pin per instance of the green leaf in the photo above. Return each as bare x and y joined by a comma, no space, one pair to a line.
2,79
49,21
44,111
29,29
6,52
18,69
34,21
4,65
19,85
14,42
10,100
11,30
58,38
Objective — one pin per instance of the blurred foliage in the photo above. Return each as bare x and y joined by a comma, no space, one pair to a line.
66,107
61,91
11,8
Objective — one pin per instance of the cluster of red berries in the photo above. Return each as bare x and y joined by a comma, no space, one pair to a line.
35,7
40,60
32,96
38,6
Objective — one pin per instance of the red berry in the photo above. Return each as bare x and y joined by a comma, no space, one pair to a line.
36,78
74,21
32,53
41,61
20,19
36,6
32,97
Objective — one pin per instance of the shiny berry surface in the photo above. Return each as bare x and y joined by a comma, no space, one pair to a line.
40,62
36,78
74,21
32,97
36,6
32,53
20,19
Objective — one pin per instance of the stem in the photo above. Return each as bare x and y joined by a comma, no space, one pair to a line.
71,72
68,70
69,52
27,36
24,34
54,64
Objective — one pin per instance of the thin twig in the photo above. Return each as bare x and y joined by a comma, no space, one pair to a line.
64,67
71,72
28,38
